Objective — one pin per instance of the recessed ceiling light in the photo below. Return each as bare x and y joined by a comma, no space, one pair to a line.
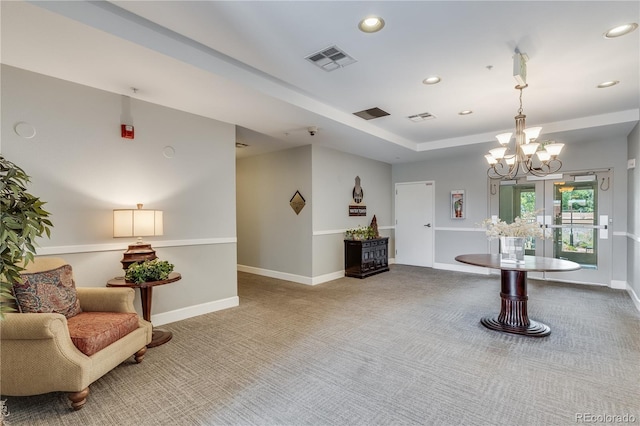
465,112
371,24
620,30
607,84
434,79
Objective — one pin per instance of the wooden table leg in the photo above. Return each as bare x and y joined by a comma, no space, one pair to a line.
513,316
160,336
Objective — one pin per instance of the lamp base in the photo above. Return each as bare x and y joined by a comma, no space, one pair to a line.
137,253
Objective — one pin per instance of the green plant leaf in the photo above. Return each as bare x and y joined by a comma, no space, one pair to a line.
23,221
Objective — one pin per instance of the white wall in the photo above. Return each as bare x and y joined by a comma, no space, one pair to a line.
453,236
468,172
334,174
633,215
83,169
272,239
307,248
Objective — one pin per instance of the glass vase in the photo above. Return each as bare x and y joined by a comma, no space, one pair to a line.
512,249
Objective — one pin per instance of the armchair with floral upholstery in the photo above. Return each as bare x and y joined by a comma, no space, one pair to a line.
62,338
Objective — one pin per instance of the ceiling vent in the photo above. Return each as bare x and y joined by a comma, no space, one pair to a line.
330,58
371,113
241,145
421,117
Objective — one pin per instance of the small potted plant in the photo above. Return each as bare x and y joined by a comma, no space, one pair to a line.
149,270
360,233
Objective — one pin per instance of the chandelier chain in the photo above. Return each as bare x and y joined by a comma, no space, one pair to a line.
505,165
520,109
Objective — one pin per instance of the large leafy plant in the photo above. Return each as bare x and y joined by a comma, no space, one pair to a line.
23,220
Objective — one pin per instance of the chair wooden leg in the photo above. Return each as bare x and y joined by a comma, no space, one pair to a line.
139,356
78,399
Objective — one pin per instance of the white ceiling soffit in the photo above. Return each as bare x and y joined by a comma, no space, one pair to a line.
220,58
121,23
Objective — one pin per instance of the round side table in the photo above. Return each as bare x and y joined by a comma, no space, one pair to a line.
160,336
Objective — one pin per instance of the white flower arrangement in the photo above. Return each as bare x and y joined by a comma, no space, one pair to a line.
524,227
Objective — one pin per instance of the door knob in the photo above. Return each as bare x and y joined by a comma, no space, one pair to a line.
428,225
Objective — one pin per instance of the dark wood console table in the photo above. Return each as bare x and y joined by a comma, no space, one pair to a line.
363,258
513,317
160,337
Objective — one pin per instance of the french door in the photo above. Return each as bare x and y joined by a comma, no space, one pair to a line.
575,209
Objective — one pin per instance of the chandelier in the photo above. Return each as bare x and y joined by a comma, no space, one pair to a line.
504,163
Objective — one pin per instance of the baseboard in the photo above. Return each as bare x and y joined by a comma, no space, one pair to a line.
618,285
320,279
327,277
634,296
300,279
194,311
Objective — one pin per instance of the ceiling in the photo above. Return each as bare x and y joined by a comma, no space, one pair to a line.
243,62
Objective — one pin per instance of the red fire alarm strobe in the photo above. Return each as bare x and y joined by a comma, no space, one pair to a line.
126,131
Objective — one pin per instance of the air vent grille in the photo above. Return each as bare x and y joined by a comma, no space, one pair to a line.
330,59
371,113
421,117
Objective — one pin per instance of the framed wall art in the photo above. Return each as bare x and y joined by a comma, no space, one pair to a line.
458,204
297,202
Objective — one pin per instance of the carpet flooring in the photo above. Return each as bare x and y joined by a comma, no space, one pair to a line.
404,347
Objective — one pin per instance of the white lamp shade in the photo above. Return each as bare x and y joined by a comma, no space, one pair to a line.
137,223
529,149
504,138
554,149
532,132
498,153
490,159
543,155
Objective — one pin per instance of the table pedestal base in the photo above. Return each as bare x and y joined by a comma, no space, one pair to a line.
513,316
534,329
160,337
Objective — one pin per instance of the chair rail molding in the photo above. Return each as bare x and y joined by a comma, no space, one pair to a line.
89,248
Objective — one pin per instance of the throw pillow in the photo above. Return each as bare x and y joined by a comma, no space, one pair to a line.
51,291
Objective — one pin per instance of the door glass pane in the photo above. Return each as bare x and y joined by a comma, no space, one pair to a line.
516,200
574,208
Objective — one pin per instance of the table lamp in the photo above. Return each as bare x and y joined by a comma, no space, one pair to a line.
137,223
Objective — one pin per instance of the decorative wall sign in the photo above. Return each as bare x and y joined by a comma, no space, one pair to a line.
297,202
457,204
358,208
358,192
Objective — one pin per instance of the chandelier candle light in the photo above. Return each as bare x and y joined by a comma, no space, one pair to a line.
503,164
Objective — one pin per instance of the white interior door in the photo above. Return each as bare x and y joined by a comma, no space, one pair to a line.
414,224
